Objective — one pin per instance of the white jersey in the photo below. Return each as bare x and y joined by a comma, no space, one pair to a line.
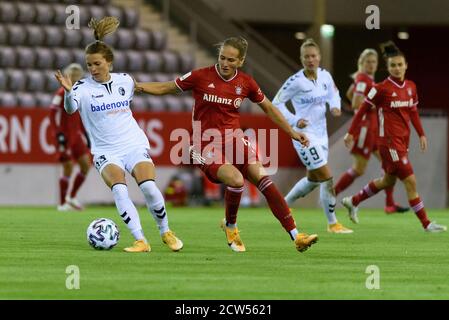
106,114
309,98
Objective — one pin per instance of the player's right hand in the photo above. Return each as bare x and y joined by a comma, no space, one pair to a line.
302,123
423,143
301,137
64,80
349,140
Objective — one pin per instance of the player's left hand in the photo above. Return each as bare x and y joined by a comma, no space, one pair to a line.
301,137
423,143
336,112
349,140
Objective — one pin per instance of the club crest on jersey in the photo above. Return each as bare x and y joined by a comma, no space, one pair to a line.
324,86
409,91
237,103
121,91
238,90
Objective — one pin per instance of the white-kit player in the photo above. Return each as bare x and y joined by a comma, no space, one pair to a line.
117,143
309,90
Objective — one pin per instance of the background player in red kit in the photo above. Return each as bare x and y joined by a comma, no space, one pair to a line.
71,144
365,132
218,91
395,100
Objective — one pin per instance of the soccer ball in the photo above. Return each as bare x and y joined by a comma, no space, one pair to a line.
103,234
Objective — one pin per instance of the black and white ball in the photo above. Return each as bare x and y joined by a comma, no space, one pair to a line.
103,234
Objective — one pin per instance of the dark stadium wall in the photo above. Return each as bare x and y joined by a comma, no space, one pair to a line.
426,52
407,12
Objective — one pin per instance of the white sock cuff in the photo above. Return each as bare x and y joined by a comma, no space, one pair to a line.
120,190
149,187
236,190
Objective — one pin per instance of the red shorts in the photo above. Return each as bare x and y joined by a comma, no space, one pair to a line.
365,137
77,147
364,142
240,154
395,163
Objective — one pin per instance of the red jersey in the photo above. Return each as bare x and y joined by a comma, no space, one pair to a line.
69,124
217,100
362,85
396,105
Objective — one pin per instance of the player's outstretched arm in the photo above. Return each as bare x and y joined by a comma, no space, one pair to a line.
276,116
156,88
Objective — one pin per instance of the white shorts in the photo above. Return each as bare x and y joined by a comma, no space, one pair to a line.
314,156
126,161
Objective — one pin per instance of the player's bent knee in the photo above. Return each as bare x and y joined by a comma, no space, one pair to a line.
235,180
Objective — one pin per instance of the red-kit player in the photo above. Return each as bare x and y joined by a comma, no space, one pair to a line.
395,100
218,91
365,131
71,144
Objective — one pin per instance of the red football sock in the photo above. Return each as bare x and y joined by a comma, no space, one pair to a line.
345,180
80,177
367,192
63,186
418,206
389,201
277,203
232,201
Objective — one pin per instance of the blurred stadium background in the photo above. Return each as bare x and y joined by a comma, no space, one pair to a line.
159,40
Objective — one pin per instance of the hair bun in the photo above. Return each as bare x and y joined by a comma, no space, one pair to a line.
389,49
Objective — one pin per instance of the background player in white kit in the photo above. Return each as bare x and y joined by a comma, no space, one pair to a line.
117,142
309,90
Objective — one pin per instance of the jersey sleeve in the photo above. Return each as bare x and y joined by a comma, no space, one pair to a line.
288,90
130,82
361,86
333,95
255,94
72,99
415,96
187,81
414,114
374,95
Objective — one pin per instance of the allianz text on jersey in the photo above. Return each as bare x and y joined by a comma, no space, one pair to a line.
401,103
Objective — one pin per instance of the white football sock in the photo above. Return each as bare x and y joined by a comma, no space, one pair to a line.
328,200
155,204
302,188
127,210
293,233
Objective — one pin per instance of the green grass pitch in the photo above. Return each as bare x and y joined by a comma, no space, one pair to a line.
37,245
